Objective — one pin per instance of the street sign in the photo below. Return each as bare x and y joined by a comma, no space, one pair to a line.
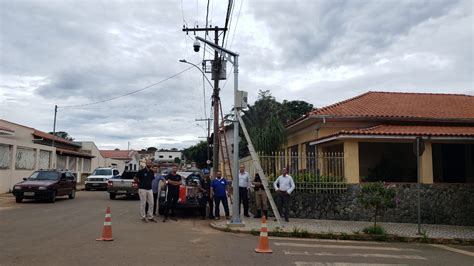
418,146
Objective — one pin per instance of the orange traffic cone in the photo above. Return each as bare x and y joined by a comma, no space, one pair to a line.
263,244
107,231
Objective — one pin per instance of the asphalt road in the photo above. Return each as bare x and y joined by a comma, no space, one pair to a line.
64,233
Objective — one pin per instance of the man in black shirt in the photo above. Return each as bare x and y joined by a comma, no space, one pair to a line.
144,178
173,181
206,190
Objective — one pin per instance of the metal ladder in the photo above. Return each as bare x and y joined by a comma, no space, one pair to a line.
259,169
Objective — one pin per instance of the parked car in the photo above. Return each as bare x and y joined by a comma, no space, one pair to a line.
100,177
46,184
123,185
190,194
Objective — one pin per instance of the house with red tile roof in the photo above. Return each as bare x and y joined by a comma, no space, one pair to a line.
376,132
130,158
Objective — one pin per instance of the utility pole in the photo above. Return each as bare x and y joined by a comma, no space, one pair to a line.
208,120
216,69
54,136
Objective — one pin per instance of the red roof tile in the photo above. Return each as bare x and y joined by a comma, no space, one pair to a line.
116,154
45,135
434,131
6,129
412,131
75,153
402,105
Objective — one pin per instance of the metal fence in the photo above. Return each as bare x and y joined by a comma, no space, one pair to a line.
311,172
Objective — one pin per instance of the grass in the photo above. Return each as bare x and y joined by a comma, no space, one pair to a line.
424,237
278,232
375,230
255,232
297,232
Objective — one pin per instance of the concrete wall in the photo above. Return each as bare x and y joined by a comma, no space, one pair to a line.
21,138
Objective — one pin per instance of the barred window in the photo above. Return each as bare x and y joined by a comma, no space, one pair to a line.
25,158
86,166
5,156
44,159
61,162
72,163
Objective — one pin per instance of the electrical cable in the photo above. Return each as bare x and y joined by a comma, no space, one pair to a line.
128,93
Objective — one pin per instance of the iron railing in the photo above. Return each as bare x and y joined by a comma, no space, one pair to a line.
311,172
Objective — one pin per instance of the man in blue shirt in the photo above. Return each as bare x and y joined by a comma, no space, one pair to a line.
218,192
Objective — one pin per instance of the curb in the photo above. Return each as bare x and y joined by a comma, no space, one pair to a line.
350,236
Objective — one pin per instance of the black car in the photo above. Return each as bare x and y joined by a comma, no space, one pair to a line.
47,185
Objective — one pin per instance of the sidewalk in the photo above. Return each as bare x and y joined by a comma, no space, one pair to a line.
353,230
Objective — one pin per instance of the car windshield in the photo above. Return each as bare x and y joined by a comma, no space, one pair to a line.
44,175
102,172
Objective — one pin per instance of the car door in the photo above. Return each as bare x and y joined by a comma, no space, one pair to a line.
62,185
70,183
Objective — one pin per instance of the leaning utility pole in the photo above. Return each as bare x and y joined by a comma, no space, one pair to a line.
216,70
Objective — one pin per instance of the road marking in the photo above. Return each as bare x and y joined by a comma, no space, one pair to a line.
304,263
325,240
342,247
364,255
460,251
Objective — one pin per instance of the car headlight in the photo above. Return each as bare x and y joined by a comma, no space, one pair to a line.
42,188
17,187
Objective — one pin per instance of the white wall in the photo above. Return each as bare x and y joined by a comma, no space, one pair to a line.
167,156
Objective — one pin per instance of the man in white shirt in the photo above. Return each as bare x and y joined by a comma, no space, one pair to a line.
244,188
284,185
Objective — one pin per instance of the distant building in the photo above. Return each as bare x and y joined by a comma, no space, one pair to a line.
130,158
167,155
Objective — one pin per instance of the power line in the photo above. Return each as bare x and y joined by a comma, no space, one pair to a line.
236,24
128,93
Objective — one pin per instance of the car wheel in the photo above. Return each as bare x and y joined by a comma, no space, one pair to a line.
19,199
72,195
52,199
112,196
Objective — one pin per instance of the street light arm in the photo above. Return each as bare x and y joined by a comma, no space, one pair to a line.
204,74
217,47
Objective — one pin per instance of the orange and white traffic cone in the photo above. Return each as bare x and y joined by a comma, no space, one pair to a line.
107,231
263,242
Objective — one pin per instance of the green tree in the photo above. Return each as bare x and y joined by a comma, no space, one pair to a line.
197,153
377,197
292,110
62,134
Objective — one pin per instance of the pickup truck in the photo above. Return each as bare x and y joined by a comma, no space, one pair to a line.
190,194
123,185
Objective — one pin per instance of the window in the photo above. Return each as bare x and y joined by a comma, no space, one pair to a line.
61,161
311,157
5,156
171,157
116,172
388,162
25,158
86,166
293,152
102,172
72,164
161,156
44,159
453,163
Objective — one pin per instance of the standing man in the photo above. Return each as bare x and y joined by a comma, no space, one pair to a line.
260,197
284,185
173,181
244,189
218,192
206,189
144,178
155,186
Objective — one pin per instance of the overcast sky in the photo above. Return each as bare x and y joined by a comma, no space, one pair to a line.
78,52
